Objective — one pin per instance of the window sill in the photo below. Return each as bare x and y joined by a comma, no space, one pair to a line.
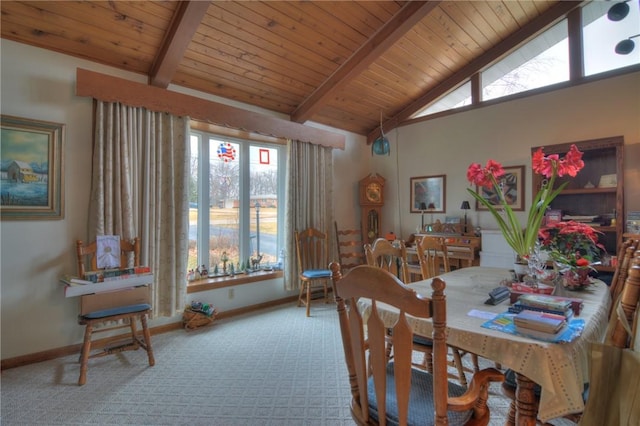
221,282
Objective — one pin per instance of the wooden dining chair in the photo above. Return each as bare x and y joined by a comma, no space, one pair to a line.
312,251
394,392
129,313
624,255
433,256
434,259
350,247
383,254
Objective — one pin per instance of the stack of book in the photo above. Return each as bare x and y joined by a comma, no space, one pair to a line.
540,325
541,303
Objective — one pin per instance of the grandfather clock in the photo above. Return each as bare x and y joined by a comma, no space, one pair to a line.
371,194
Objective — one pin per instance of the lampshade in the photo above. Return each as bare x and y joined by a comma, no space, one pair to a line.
465,205
431,206
625,47
423,206
618,11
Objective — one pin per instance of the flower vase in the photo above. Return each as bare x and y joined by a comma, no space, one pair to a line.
576,278
521,270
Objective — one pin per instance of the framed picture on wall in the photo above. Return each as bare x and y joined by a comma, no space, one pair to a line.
31,183
512,184
428,194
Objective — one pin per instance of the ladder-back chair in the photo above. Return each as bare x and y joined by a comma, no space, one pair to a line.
626,252
312,250
129,256
393,392
350,247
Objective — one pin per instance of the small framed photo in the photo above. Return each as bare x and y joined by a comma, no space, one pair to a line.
428,194
512,185
31,180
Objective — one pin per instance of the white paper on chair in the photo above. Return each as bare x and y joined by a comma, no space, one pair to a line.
108,251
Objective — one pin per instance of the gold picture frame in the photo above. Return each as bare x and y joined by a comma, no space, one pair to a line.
31,180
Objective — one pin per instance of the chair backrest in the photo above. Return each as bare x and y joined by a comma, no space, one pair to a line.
626,252
312,249
383,254
129,255
364,341
619,332
433,256
350,247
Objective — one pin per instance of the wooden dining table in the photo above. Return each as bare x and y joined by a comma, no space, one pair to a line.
561,369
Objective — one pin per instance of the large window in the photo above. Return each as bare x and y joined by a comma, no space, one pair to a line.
541,62
236,202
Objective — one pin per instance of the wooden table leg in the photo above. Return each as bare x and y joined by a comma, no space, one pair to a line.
526,403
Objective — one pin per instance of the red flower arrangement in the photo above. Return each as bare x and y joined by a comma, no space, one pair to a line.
522,239
571,245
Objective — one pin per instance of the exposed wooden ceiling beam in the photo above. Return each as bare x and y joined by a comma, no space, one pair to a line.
553,15
115,89
402,22
184,23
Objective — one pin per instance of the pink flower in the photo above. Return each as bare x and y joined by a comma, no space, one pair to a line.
475,174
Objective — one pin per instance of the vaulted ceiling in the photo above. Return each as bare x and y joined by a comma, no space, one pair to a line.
345,64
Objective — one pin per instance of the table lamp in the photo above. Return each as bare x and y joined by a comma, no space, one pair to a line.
423,207
465,206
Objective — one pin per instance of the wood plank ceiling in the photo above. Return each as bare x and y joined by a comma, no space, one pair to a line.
342,64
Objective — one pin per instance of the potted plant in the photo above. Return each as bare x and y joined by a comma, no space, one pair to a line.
521,238
574,248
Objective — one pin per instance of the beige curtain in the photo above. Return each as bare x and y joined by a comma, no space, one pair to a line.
308,201
140,187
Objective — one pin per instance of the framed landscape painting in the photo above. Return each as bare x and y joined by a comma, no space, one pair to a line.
31,185
512,184
428,194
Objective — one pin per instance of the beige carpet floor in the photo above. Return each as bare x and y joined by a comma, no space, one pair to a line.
273,367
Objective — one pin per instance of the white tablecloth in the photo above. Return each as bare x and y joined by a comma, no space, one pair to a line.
560,369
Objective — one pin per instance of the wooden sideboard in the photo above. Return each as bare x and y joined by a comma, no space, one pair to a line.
463,250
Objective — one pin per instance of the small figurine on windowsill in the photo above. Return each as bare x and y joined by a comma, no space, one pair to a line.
224,260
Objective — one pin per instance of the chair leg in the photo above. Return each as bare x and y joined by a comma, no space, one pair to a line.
84,355
457,359
147,339
302,287
474,360
133,331
308,287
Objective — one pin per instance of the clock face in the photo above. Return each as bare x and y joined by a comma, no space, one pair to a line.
373,193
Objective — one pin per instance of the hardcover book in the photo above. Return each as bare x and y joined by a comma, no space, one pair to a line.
518,307
540,321
544,301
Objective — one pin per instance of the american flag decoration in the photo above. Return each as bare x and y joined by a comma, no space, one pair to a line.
226,152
